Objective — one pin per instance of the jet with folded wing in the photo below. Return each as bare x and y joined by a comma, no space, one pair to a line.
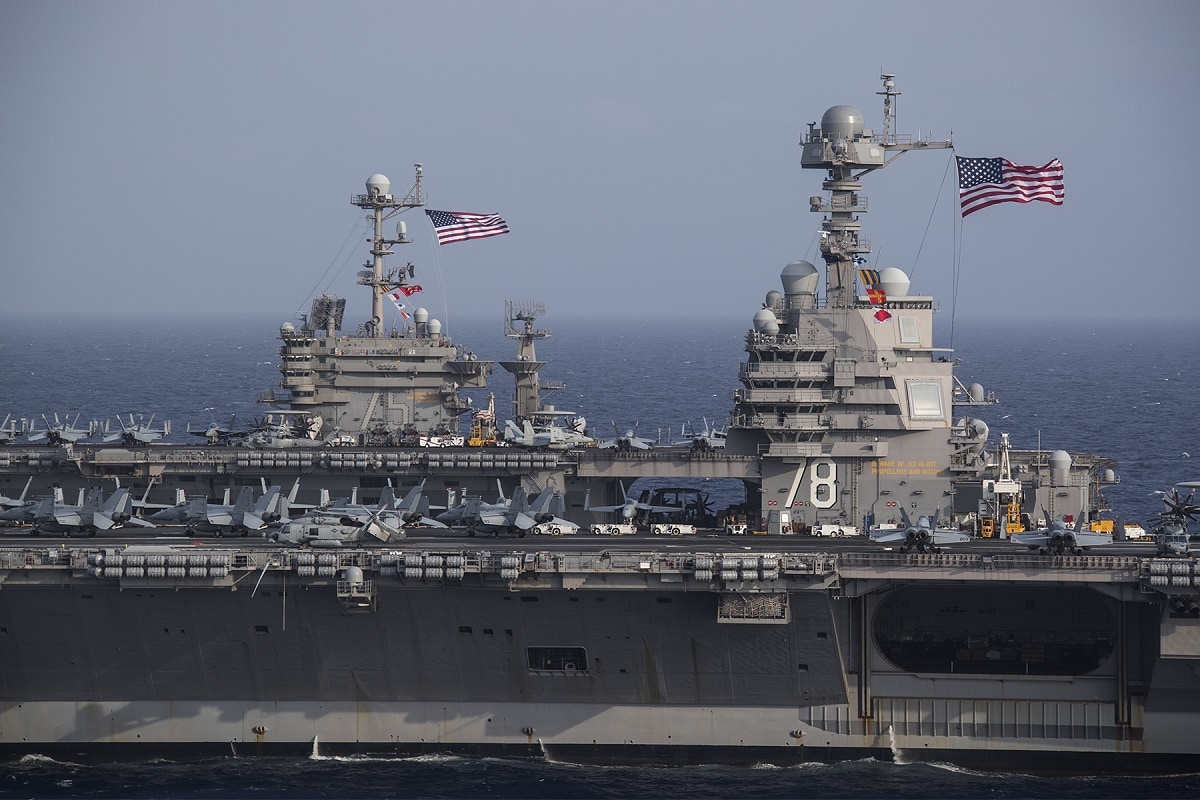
631,508
7,503
63,431
138,432
627,442
923,537
1059,539
244,516
95,513
551,436
413,508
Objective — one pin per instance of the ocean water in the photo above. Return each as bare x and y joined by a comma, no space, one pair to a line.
1127,389
454,777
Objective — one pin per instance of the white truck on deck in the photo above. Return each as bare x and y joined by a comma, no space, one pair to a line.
554,529
835,530
614,529
672,529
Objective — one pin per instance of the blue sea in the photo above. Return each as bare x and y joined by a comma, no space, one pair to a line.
1124,388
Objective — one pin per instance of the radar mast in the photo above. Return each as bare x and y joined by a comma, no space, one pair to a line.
383,206
842,146
527,395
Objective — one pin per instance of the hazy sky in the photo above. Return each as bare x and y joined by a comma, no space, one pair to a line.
195,157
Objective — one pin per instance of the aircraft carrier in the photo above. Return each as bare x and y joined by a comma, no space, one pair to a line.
777,647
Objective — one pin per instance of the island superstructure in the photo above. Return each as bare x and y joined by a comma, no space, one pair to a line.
377,385
847,399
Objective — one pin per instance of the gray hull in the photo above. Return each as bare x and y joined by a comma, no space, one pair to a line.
595,655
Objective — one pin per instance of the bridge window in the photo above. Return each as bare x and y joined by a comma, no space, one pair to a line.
925,400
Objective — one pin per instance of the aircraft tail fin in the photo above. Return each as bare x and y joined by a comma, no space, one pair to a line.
268,503
245,500
520,500
117,503
387,498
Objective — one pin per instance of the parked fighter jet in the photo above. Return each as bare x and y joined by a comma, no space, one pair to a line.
94,514
413,509
142,507
243,516
174,514
520,516
628,442
923,537
61,432
1057,539
463,509
554,437
517,516
138,432
710,438
15,502
24,513
631,508
547,509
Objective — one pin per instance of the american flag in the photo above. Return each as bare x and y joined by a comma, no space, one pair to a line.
983,182
458,226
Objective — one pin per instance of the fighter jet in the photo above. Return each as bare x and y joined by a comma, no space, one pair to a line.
463,509
923,537
174,514
708,439
15,502
1057,539
507,518
94,514
631,507
138,432
413,509
61,432
546,510
553,437
515,516
24,513
626,443
243,516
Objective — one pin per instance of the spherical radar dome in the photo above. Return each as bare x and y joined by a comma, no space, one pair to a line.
894,282
378,185
766,322
842,122
799,277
